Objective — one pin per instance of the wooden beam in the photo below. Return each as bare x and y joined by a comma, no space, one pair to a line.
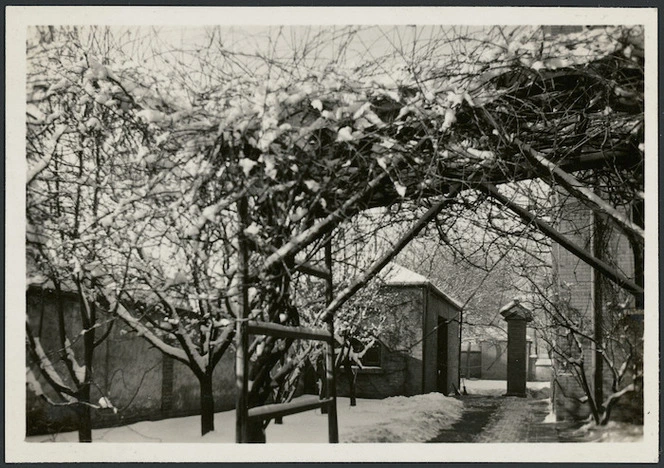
553,173
284,409
530,218
284,331
364,278
312,270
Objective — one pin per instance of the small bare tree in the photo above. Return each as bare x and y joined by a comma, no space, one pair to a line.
571,338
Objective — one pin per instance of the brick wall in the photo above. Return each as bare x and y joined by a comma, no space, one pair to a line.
577,281
453,357
440,312
409,363
400,372
402,334
385,381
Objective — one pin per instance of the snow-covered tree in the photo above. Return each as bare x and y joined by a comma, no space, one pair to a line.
66,243
114,208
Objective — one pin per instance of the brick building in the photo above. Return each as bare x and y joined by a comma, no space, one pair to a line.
604,311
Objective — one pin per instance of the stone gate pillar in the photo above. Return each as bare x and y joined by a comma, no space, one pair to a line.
517,318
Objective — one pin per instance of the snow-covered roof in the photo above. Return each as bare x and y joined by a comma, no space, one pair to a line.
508,306
397,275
514,310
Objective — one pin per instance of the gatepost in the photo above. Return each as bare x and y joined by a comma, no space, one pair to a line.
517,318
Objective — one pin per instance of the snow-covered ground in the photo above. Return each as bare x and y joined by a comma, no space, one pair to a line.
397,419
496,387
614,431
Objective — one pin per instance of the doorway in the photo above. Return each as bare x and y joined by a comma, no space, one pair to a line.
442,357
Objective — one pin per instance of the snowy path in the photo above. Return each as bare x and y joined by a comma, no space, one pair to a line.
520,420
489,417
477,413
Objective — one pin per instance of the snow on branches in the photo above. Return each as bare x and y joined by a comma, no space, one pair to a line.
138,153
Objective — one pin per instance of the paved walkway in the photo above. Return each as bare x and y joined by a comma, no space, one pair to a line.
519,420
490,419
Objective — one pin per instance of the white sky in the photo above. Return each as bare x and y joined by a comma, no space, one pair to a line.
387,46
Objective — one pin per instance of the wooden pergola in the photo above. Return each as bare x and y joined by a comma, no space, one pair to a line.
545,154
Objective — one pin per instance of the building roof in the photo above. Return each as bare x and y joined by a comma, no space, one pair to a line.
397,275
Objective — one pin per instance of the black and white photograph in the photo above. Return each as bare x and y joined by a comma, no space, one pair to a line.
427,234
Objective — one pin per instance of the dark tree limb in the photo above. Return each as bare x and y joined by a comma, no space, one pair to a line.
364,278
530,218
552,173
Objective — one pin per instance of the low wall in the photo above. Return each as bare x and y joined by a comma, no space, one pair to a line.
566,391
392,378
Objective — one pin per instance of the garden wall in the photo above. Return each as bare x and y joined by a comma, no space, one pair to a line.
139,380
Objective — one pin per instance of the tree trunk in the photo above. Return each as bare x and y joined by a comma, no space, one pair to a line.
599,245
255,432
589,393
323,392
207,404
84,416
88,318
351,384
255,427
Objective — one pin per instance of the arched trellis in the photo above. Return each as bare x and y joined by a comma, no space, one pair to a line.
532,164
337,301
